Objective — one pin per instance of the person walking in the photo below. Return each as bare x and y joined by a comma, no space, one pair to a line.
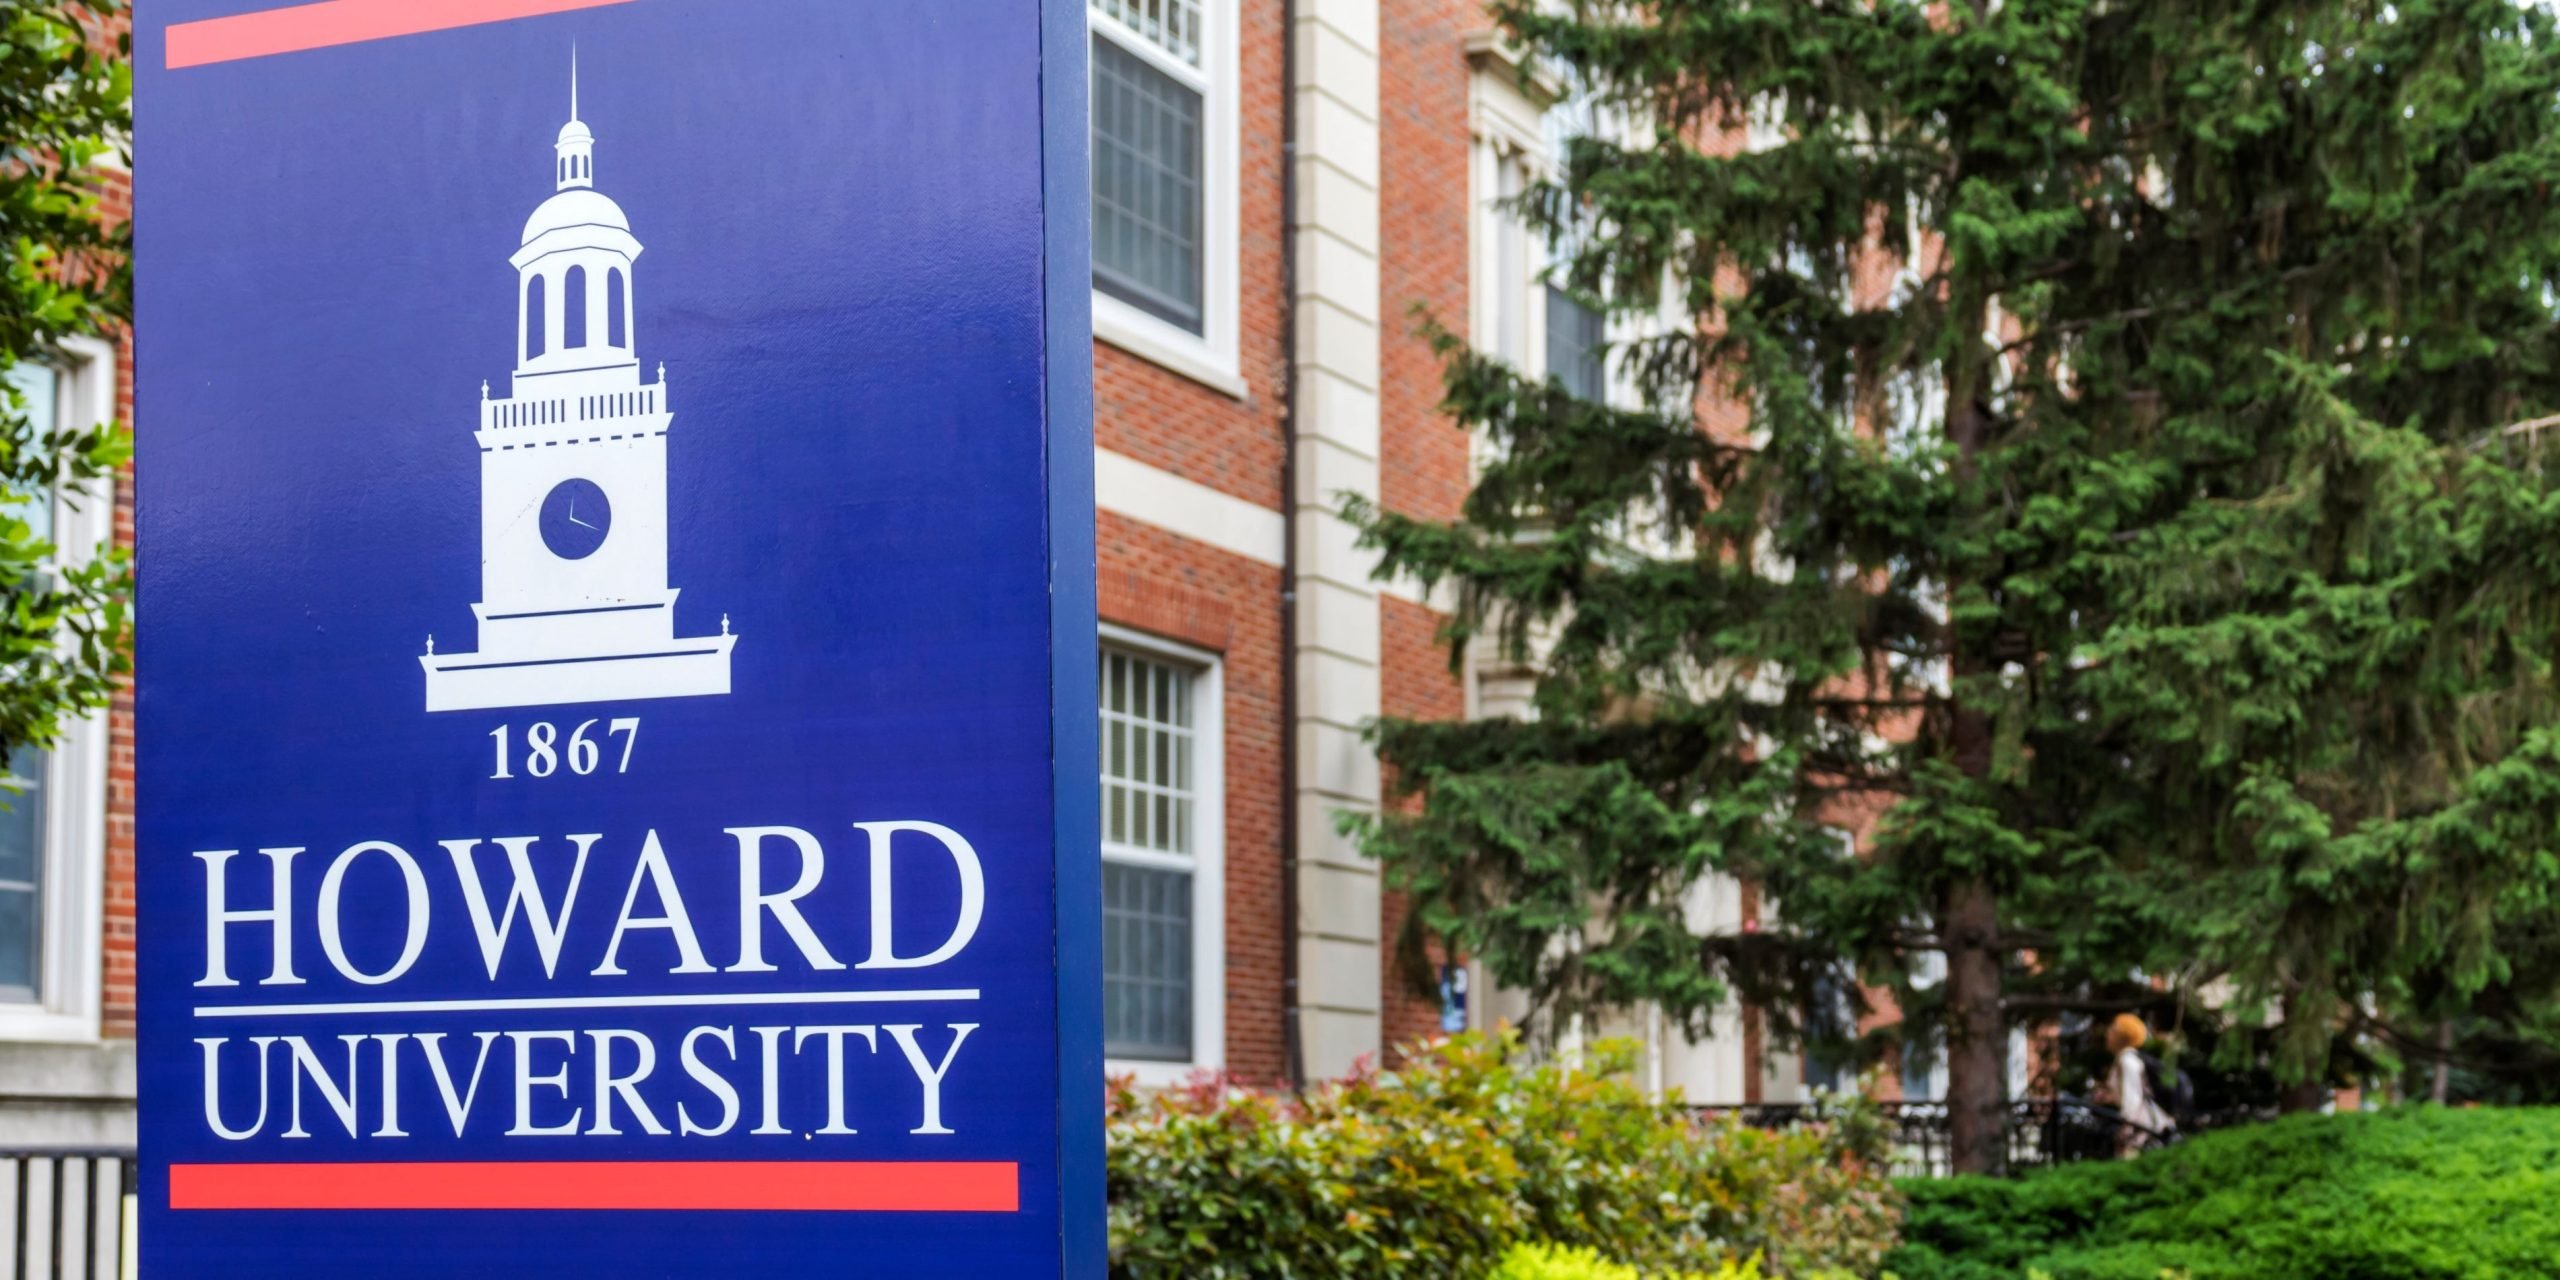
2129,1086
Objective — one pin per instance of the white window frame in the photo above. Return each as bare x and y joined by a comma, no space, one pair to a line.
1512,112
1509,263
1933,1082
1210,356
1928,969
75,823
1207,862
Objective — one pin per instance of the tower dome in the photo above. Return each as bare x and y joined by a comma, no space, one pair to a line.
575,267
573,210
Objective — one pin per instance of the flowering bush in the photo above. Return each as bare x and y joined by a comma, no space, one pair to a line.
1435,1170
1552,1262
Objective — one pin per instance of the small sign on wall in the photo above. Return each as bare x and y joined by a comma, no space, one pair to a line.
1453,998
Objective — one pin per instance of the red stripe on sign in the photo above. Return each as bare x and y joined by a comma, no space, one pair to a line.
336,22
838,1186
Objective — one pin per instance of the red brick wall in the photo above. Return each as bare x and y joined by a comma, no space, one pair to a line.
117,935
1424,145
1167,421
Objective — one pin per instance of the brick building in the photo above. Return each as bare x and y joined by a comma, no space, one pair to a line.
1346,162
1281,188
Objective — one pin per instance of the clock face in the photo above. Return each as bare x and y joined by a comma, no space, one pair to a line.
575,518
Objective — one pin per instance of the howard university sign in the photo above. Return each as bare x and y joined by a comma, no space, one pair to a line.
717,894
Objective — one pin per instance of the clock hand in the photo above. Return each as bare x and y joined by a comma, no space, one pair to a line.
580,523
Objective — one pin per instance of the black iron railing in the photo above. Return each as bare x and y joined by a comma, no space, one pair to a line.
2041,1131
74,1213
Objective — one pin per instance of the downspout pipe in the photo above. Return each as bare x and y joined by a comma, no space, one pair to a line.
1292,1021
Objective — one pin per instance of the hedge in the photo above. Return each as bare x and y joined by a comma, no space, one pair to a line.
2408,1194
1434,1170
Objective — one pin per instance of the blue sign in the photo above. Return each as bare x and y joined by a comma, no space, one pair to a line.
616,715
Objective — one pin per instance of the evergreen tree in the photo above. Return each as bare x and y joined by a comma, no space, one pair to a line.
65,90
2162,550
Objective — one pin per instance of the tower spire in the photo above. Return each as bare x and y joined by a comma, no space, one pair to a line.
575,162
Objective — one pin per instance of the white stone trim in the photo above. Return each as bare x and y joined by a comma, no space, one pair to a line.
1441,598
1187,508
67,1095
1336,312
75,834
1208,860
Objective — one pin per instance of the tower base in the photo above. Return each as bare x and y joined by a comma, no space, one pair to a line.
683,668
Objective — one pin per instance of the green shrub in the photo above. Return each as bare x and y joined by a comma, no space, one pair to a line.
1555,1262
2412,1194
1433,1171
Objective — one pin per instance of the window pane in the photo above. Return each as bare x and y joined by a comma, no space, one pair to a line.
1576,346
1830,1019
39,389
1170,25
1146,964
1147,161
1510,268
1920,1069
22,880
1148,778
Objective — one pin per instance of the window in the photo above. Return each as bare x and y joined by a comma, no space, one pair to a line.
1146,187
1577,350
1924,1056
1164,182
1924,1067
617,320
1162,837
573,290
53,834
1830,1025
1522,314
1507,296
537,317
22,869
1577,332
1831,1008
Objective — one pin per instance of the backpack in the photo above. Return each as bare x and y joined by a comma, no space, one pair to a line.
2173,1094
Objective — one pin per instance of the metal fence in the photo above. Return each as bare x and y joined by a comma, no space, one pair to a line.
75,1210
2041,1131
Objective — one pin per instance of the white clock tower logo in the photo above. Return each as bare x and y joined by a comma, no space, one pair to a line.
575,605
